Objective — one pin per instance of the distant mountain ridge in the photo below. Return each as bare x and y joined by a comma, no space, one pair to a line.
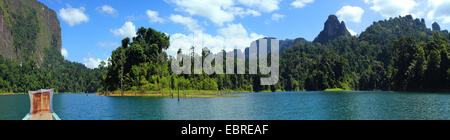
380,32
287,43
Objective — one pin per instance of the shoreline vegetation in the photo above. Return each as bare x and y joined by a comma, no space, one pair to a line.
336,89
175,93
192,93
2,94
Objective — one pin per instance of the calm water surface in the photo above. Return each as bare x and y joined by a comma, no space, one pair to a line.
255,106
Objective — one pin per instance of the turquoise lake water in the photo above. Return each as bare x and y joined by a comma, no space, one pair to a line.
254,106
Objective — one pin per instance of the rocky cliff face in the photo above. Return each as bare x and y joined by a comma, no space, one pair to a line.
6,49
436,27
27,29
332,30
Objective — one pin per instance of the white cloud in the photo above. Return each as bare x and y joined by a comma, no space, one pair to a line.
64,52
91,62
130,18
224,11
127,30
277,17
107,44
233,36
440,10
154,17
353,33
392,8
262,5
238,11
73,16
301,3
190,23
350,13
236,36
107,9
212,9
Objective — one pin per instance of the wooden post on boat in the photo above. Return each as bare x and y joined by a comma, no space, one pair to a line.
41,105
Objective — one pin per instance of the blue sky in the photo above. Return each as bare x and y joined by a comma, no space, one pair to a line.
92,29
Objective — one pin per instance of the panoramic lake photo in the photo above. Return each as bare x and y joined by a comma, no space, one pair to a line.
214,68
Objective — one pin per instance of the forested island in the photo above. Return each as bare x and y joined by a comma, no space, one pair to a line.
396,54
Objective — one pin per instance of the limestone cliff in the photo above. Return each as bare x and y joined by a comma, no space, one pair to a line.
332,30
27,29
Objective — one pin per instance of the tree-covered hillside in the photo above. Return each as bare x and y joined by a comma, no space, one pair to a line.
398,54
54,72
